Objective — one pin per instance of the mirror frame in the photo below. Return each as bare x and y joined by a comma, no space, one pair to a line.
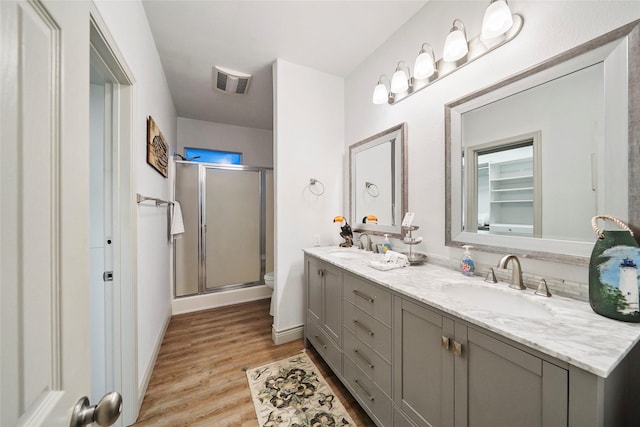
401,175
549,249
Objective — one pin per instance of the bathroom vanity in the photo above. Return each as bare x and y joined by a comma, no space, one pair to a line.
427,346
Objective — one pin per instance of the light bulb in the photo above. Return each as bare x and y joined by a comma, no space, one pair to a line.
399,81
497,19
423,67
380,94
455,46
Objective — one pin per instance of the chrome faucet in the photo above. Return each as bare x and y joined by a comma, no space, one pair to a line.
516,274
361,245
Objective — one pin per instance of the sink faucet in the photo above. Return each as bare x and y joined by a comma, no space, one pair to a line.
361,245
516,274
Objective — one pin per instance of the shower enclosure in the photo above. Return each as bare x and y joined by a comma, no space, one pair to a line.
228,219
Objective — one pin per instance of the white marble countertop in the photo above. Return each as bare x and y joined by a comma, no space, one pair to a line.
567,329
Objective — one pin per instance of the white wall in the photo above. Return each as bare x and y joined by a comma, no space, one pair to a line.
128,25
550,28
308,143
374,166
256,145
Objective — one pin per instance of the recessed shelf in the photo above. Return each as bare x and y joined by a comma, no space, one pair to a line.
511,201
512,178
501,190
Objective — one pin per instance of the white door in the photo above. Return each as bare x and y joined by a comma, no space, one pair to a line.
44,274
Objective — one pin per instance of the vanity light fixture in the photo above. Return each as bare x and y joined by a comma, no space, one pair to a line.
425,65
497,19
381,91
499,26
456,45
400,81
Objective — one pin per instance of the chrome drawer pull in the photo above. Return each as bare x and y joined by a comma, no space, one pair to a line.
321,342
363,296
364,328
364,359
364,390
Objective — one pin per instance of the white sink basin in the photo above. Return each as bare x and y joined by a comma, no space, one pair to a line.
346,253
501,301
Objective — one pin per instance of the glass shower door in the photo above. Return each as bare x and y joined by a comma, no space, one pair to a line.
187,255
233,234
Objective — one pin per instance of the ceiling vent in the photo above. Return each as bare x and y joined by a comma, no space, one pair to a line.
232,82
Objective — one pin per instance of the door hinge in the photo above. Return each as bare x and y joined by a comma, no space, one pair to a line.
107,276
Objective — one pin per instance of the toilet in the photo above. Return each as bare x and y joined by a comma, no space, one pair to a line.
269,282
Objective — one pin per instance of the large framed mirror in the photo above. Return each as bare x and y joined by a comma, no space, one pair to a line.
378,182
530,160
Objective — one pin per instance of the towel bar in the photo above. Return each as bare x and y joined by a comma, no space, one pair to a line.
159,202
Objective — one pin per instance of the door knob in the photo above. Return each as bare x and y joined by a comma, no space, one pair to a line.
105,413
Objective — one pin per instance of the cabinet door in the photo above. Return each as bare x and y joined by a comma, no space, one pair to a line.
314,288
423,368
499,385
332,314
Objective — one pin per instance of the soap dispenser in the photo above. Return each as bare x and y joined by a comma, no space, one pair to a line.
386,245
467,266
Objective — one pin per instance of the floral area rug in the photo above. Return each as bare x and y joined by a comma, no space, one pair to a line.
293,393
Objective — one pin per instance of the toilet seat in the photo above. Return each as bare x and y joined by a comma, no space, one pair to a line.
268,279
270,282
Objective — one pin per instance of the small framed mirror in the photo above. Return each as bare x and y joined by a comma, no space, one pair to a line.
378,182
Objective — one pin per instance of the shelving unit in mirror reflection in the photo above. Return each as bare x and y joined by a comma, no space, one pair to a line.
506,203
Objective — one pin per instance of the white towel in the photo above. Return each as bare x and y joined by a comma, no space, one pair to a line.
384,266
392,260
177,225
393,257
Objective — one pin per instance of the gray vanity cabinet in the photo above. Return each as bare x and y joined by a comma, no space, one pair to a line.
449,374
367,354
497,384
423,369
324,310
411,365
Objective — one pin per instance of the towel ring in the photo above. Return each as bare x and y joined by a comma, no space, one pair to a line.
372,189
312,183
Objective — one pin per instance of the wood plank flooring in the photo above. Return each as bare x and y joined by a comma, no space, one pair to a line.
198,379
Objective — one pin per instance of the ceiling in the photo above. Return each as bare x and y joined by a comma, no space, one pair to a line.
247,36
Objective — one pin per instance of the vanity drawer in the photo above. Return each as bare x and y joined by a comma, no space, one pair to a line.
374,366
372,332
377,404
324,345
369,297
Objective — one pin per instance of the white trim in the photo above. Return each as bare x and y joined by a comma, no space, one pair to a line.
142,388
219,299
45,405
291,334
125,351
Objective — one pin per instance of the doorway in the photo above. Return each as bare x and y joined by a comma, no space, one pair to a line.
112,225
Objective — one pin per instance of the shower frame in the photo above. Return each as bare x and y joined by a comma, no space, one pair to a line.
202,232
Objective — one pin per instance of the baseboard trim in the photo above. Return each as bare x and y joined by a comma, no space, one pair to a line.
219,299
291,334
142,389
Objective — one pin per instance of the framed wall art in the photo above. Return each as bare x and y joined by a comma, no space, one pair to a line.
157,148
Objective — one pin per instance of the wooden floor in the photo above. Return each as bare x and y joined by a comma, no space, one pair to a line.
198,379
